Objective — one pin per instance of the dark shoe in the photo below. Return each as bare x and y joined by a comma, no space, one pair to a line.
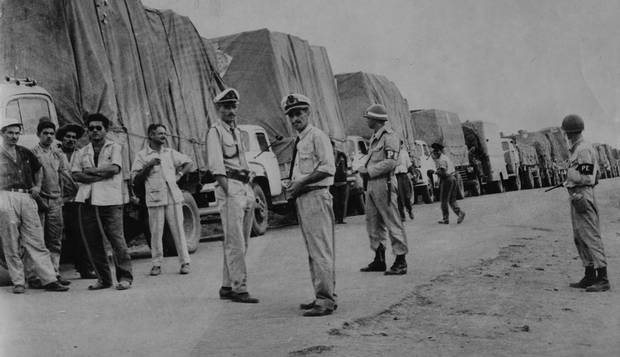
411,215
90,274
35,283
599,286
312,305
63,281
444,221
318,311
461,217
99,285
155,270
378,264
55,286
225,293
340,221
185,269
399,267
19,289
588,279
243,298
123,285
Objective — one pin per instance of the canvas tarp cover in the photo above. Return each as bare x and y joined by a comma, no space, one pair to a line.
357,91
527,154
603,160
265,66
540,142
439,126
559,147
134,65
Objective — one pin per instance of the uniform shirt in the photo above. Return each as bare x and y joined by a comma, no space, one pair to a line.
108,192
223,150
19,171
162,177
314,153
52,161
444,162
404,162
583,165
383,152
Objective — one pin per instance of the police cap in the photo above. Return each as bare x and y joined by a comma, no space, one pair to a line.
228,95
295,101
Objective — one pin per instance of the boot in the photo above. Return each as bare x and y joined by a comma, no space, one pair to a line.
601,284
588,279
399,267
378,264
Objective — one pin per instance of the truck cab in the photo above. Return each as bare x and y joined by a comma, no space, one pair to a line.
356,149
426,180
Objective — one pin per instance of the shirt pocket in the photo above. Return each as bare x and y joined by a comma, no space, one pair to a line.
229,149
306,162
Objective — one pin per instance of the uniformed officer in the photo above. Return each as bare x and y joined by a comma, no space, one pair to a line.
312,173
227,162
382,217
580,182
447,184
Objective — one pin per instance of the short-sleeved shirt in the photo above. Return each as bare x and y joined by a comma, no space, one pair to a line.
52,161
383,153
314,153
225,152
583,165
18,172
162,177
108,192
404,162
444,162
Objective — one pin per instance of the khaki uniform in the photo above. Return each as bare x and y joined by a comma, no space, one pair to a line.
225,156
315,212
580,181
382,217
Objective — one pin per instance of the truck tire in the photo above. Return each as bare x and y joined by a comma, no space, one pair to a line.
496,186
476,189
514,183
460,187
261,211
529,180
428,195
191,227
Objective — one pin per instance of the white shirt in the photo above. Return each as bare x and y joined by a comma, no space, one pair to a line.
108,192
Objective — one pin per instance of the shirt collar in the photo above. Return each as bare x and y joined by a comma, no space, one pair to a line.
305,132
106,143
572,148
150,150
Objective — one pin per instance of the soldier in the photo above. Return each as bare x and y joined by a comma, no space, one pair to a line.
159,168
227,162
312,172
447,184
580,182
382,216
20,226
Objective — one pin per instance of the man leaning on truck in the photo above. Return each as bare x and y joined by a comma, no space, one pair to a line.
227,163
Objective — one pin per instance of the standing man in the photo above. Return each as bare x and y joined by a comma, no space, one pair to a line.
313,171
98,170
340,187
227,162
447,184
382,218
20,225
74,245
404,182
52,164
580,182
159,168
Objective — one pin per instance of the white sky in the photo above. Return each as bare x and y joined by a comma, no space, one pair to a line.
522,64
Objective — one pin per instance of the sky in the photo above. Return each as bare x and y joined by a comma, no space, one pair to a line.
521,64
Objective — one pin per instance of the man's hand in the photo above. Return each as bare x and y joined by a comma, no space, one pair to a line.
91,171
294,188
35,191
363,171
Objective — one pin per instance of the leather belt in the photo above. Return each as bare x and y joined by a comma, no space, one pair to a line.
20,190
307,189
242,176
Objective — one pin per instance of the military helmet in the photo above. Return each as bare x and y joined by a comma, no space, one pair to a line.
377,112
572,124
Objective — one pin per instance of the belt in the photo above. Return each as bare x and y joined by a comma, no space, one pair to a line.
238,175
20,190
307,189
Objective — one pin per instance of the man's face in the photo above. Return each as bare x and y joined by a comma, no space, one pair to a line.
227,111
10,135
159,135
435,154
299,118
372,123
96,131
46,136
69,140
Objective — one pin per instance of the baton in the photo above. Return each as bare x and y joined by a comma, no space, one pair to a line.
554,187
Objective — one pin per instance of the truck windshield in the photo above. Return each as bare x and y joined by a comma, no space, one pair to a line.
29,110
262,141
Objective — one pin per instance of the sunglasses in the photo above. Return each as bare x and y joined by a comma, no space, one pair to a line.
95,127
229,105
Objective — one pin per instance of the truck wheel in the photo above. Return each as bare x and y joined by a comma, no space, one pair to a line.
261,212
191,227
529,180
428,195
496,186
460,188
514,184
476,189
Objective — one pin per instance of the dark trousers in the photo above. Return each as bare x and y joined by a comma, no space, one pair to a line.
404,194
74,244
338,191
447,193
111,222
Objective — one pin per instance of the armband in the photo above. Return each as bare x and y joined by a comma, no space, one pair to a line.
391,155
585,169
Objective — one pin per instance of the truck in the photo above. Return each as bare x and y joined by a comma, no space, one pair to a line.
443,127
548,171
613,164
603,161
559,150
425,180
522,160
484,145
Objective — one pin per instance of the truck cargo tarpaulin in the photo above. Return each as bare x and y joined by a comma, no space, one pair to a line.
559,146
540,142
359,90
265,66
439,126
135,65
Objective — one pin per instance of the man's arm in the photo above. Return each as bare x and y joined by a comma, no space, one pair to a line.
326,166
215,159
38,180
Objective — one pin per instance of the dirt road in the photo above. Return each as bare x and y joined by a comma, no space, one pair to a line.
495,285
